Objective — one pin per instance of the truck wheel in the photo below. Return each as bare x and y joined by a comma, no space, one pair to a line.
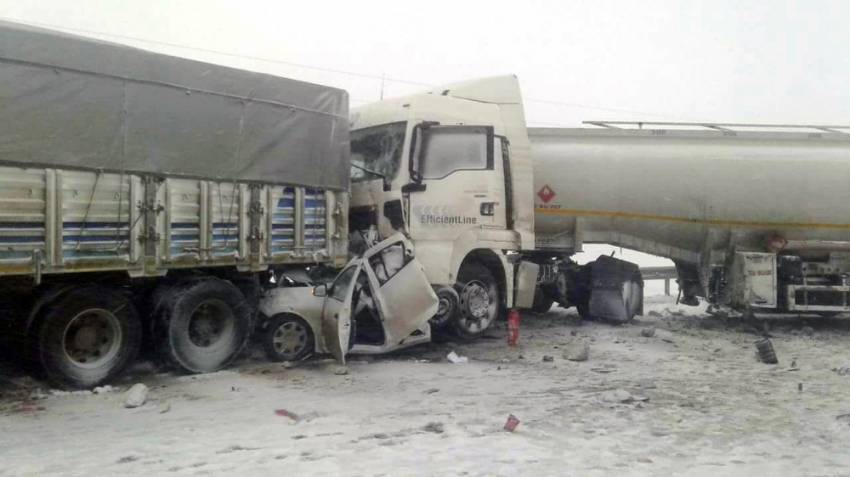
542,302
479,301
288,338
449,301
88,337
206,324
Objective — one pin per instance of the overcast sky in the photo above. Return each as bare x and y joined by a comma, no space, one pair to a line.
765,61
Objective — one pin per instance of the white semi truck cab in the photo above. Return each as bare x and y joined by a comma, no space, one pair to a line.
451,168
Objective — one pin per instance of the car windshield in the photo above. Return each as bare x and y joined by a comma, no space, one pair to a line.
376,152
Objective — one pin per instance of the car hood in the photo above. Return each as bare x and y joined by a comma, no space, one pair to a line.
296,300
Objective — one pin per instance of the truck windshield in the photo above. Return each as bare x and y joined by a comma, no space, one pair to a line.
376,152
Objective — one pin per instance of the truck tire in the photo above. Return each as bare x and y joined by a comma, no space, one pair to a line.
288,338
205,323
479,301
88,336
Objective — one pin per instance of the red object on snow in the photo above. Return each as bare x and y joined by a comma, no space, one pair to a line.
513,327
511,423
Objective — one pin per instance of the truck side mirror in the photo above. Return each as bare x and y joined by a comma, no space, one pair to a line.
320,290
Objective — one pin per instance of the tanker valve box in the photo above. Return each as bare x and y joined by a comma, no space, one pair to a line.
754,280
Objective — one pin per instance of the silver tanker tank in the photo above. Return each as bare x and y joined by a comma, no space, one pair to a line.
695,193
668,192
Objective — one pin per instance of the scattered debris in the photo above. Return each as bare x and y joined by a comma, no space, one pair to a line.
456,359
548,359
341,370
165,408
807,330
800,387
435,427
842,371
644,460
648,332
845,418
622,396
285,413
431,391
579,353
765,351
136,396
511,423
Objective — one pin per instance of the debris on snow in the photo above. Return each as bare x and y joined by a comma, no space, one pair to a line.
548,359
341,370
621,396
647,332
765,351
511,423
842,371
136,396
456,359
435,427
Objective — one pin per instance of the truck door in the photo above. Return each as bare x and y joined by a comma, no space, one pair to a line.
458,183
404,298
336,314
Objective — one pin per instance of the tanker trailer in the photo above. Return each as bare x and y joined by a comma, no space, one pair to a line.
755,217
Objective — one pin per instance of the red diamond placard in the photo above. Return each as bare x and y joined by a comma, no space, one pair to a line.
546,194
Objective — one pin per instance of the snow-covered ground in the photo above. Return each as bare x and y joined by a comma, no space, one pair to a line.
690,400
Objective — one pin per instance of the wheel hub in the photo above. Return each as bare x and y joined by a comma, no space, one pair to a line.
208,323
477,301
92,337
289,338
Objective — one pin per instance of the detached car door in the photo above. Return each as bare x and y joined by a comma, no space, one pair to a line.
404,297
336,313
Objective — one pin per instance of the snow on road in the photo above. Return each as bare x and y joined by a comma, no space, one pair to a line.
712,409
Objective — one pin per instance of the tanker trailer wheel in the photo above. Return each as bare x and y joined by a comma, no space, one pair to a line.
288,338
88,337
479,301
206,323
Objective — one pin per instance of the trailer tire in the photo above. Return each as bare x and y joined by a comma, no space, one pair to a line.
206,323
288,338
88,336
479,301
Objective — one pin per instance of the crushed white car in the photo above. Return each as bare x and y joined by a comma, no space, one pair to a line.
379,302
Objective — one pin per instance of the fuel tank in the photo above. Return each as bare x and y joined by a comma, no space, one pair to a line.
683,193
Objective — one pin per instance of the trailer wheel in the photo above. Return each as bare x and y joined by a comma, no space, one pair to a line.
206,324
288,338
88,337
479,301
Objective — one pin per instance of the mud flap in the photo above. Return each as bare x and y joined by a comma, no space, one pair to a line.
611,295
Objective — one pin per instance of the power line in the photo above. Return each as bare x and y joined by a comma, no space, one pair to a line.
380,77
223,53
